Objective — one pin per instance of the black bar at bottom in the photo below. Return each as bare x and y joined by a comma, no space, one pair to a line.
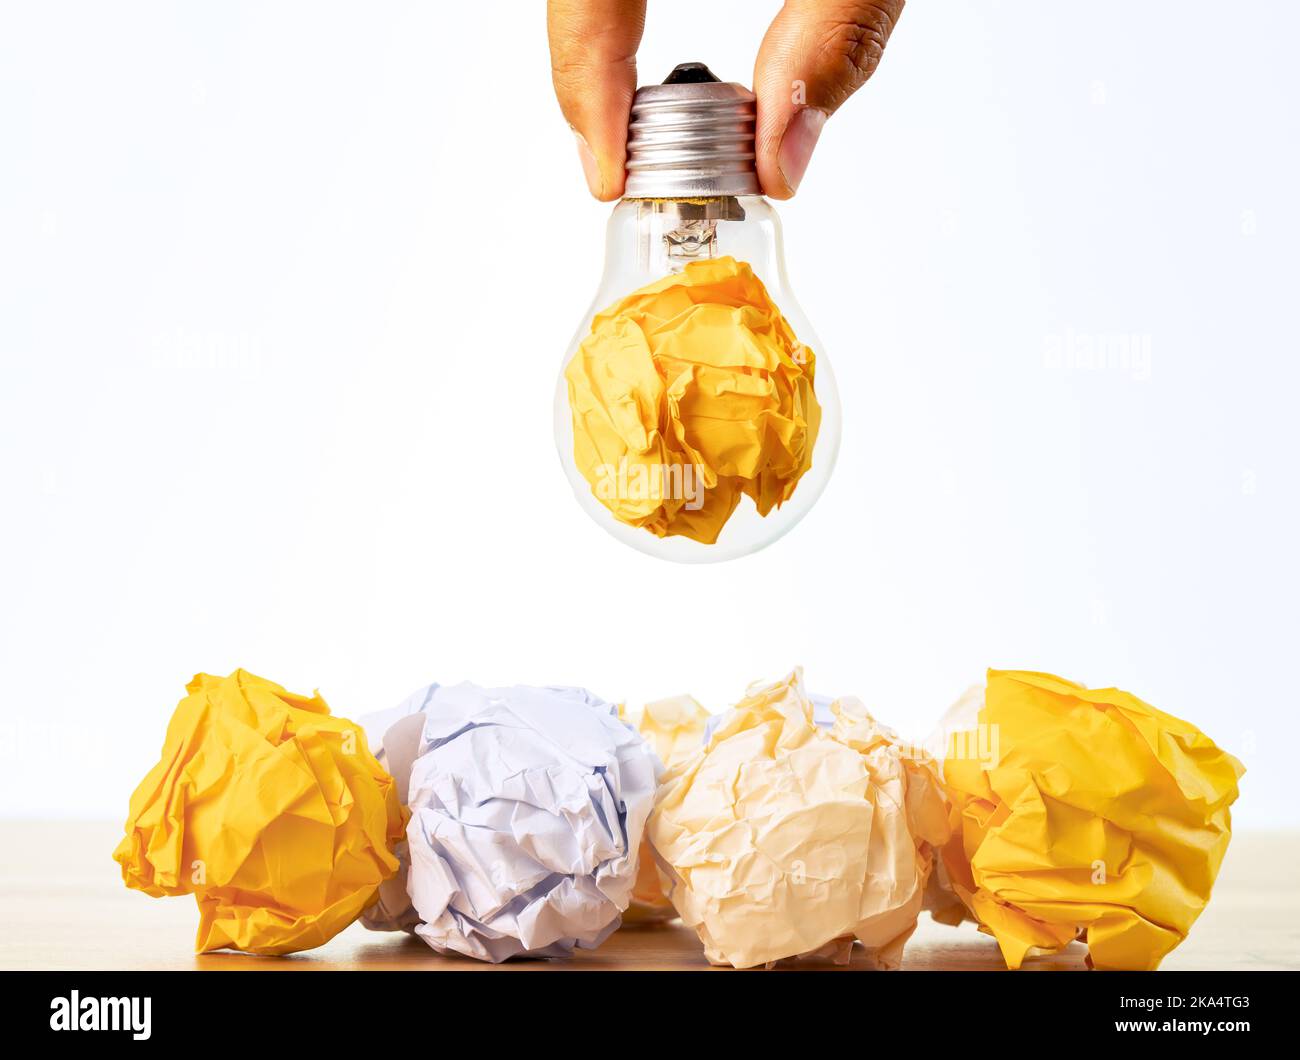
557,1009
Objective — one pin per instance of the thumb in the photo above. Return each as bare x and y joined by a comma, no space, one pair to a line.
593,68
815,55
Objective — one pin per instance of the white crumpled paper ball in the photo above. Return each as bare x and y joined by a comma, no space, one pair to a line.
394,739
527,811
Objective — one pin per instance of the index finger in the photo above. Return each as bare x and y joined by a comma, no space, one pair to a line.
593,67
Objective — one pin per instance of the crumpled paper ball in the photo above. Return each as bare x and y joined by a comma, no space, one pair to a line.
1080,813
674,728
394,737
689,393
527,809
822,716
269,810
782,838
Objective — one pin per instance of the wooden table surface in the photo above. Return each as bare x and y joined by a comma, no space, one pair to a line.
63,906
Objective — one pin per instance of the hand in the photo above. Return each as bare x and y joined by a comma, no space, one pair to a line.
814,56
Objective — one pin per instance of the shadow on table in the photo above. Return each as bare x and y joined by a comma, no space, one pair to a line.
665,946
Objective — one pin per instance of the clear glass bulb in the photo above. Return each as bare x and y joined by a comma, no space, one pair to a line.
646,240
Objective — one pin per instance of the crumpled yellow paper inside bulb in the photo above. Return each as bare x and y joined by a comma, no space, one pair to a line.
1080,813
271,811
674,728
689,393
782,839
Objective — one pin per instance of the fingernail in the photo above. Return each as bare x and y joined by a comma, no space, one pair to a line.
797,144
590,167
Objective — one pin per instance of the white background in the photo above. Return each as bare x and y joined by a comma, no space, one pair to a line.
284,290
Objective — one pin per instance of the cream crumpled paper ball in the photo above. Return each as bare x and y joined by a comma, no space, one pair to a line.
781,838
674,728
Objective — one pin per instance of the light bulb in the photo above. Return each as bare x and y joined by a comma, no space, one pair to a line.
695,396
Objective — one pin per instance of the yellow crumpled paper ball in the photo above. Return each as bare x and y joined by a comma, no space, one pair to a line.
674,728
271,811
782,839
688,393
1080,813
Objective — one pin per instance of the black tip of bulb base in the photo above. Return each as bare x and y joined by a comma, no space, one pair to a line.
691,74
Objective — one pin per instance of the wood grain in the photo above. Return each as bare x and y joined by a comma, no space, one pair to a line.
63,906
